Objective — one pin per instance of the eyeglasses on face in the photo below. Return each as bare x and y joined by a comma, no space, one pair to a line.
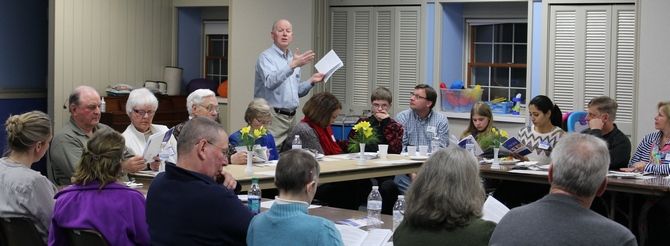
224,150
412,94
380,106
210,108
142,113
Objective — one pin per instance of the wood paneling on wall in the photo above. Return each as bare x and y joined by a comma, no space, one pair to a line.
101,42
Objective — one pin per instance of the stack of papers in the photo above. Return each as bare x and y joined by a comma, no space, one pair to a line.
328,65
352,236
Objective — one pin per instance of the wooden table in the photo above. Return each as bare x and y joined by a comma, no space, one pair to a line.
651,189
334,169
656,186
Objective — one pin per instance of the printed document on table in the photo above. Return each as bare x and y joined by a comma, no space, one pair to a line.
329,64
352,236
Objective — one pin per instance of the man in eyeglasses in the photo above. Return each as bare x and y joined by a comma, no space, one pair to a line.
185,205
422,125
68,145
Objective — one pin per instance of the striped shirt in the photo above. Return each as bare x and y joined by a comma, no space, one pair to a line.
657,159
541,144
421,131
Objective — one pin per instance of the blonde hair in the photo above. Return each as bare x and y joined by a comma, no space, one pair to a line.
665,107
101,161
24,130
257,109
481,109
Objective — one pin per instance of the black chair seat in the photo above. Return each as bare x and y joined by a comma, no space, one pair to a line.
19,231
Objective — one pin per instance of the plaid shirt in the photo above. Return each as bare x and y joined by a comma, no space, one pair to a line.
416,129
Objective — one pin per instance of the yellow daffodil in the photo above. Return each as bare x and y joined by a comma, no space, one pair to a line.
365,134
249,137
245,130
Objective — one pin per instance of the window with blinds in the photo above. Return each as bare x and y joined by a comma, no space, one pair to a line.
592,53
379,47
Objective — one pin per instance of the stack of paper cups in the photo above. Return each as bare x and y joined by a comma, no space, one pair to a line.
172,77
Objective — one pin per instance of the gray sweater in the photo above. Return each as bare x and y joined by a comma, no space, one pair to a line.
307,135
558,219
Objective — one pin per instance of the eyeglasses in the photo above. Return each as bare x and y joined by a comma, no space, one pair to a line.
381,106
224,151
142,113
210,108
412,94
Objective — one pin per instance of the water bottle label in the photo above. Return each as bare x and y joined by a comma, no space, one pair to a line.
296,146
374,205
254,204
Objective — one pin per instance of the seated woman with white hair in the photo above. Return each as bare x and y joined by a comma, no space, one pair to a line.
141,108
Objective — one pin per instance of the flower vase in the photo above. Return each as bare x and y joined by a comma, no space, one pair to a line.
496,160
249,170
361,157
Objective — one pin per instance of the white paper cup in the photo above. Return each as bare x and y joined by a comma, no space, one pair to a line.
411,150
383,150
423,150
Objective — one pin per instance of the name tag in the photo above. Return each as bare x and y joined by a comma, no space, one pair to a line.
667,157
543,145
431,129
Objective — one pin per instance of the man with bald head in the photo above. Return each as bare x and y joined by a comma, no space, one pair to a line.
278,79
185,204
68,145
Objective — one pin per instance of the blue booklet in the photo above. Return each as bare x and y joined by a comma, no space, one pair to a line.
513,145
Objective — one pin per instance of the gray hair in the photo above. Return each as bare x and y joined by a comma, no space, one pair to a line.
139,97
605,104
196,129
75,95
579,164
295,169
196,98
447,192
257,109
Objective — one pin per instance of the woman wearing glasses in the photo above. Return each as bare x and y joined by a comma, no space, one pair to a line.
257,115
141,108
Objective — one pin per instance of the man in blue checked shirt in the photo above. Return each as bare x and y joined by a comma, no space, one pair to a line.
278,79
421,124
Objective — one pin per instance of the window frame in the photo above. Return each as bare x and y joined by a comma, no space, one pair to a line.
470,24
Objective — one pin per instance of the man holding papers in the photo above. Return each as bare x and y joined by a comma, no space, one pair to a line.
278,81
577,174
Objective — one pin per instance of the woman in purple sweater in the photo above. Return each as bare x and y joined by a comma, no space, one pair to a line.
96,201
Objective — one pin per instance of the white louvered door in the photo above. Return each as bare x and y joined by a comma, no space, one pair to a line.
379,47
591,53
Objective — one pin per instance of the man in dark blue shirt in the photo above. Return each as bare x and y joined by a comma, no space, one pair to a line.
185,205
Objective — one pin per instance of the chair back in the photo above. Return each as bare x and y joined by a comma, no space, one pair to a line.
85,237
577,122
19,231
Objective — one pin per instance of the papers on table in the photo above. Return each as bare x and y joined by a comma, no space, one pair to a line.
352,236
146,173
628,175
493,210
329,64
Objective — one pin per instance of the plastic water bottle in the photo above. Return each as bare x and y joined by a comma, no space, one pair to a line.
254,196
470,147
103,105
398,211
374,208
435,145
297,143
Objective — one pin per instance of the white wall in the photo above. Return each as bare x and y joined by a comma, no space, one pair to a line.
102,42
653,54
250,25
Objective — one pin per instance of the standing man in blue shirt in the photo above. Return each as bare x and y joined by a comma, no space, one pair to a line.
278,80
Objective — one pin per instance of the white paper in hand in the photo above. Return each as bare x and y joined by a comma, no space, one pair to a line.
329,64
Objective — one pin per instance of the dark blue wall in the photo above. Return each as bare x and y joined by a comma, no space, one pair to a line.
23,58
190,43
